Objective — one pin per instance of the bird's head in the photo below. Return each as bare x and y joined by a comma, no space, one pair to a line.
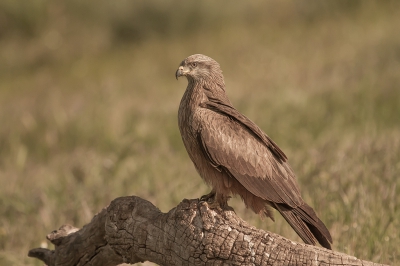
200,68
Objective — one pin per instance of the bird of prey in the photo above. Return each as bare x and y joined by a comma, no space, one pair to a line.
235,157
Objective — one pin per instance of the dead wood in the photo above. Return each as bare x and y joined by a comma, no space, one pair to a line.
132,230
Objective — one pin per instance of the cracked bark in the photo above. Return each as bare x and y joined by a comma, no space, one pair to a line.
132,230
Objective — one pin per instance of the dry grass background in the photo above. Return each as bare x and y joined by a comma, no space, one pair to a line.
88,109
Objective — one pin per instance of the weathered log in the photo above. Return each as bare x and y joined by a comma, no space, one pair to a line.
132,230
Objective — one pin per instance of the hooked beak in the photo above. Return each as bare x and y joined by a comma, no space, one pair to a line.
181,72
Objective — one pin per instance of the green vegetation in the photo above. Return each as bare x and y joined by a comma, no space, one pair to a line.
88,109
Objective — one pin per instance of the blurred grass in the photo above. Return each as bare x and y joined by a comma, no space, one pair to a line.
88,109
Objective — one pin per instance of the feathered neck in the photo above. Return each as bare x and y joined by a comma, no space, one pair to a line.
213,89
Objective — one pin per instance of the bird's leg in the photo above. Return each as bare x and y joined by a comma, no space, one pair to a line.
209,196
222,200
215,199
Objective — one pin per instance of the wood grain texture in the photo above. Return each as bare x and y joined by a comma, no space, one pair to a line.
132,230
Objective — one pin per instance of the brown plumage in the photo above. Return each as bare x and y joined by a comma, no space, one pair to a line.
234,156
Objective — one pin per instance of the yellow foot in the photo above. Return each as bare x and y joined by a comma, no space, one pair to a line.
214,204
215,200
208,197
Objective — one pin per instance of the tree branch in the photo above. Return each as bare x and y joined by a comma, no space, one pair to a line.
132,230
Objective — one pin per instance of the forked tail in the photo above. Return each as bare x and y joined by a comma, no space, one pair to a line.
306,224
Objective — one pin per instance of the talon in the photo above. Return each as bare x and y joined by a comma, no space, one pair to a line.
209,196
215,200
214,205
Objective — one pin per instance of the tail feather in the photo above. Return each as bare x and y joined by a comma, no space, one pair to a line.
306,224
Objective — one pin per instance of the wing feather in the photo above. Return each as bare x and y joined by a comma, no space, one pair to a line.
232,141
233,113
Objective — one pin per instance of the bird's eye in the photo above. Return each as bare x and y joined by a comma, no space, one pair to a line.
194,64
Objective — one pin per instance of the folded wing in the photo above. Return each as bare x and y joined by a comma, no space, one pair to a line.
236,143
